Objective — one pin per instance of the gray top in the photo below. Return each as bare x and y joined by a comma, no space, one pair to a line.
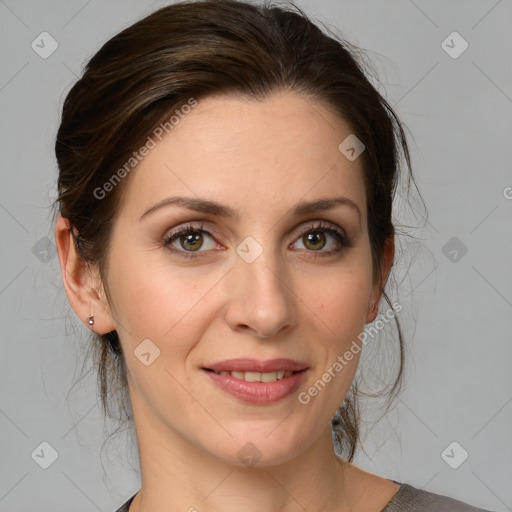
406,499
409,498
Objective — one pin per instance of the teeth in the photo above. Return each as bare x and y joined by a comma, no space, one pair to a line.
268,377
257,376
253,376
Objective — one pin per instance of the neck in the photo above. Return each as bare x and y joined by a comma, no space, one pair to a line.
178,475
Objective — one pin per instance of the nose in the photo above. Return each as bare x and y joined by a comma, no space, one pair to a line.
261,299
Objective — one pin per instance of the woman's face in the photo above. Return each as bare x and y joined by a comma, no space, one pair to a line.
260,284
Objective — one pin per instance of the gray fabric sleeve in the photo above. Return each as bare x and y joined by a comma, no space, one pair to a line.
409,498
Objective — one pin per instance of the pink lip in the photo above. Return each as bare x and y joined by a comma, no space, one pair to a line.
257,392
254,365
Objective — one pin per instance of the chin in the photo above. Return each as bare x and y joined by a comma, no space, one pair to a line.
258,450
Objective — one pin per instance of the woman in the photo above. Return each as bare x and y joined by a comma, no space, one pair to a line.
226,181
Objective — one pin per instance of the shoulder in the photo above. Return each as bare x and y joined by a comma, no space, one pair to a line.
411,498
126,506
407,498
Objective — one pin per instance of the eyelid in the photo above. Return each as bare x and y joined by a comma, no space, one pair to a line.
305,226
191,226
318,224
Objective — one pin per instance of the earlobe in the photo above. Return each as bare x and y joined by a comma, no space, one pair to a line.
81,284
389,253
372,314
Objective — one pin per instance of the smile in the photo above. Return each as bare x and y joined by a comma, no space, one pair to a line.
257,376
257,382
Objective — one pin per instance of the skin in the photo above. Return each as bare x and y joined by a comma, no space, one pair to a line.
259,158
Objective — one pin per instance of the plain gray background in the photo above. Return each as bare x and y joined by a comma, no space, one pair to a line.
457,305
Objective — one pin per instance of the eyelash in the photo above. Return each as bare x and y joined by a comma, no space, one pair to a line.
312,228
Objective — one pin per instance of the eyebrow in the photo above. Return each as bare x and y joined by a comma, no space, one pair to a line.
214,208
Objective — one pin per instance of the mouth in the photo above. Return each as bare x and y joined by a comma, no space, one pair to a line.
254,370
257,376
257,382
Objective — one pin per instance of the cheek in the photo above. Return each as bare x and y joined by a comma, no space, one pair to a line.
159,301
338,306
170,309
340,300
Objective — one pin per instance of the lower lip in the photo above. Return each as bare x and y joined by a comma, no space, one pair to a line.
258,392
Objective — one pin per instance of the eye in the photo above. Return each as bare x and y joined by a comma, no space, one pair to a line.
315,237
188,239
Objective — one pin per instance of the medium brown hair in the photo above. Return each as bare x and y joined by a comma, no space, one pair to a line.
199,49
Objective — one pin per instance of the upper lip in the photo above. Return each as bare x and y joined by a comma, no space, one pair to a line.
255,365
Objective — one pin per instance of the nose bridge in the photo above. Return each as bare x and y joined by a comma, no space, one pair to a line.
262,299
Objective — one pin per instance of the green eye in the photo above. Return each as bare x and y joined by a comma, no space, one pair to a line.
190,239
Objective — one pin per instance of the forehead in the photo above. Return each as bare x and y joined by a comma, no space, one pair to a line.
250,153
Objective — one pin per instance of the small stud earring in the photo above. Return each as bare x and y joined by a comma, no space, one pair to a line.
90,320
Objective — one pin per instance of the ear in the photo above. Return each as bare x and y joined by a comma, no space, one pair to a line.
82,284
389,253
